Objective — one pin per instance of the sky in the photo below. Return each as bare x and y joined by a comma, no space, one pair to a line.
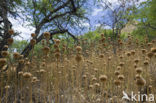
25,31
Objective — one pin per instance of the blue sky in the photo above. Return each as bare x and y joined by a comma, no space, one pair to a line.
95,16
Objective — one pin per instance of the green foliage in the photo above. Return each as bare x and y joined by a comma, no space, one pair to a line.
147,20
18,45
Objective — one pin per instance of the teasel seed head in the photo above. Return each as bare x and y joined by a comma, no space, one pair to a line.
136,61
7,87
57,55
121,77
27,75
118,67
143,51
78,48
57,41
153,50
117,82
90,86
21,61
117,72
46,50
140,81
33,35
4,53
97,85
139,70
20,73
121,64
146,62
11,31
10,41
78,58
5,47
32,42
103,78
42,71
101,55
16,55
84,76
46,35
3,61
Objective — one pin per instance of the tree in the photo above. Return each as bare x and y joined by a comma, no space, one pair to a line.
7,8
145,15
119,15
55,16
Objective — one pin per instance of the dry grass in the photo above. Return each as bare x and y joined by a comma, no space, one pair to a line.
93,75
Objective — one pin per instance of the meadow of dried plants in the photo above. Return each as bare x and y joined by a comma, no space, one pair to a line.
89,72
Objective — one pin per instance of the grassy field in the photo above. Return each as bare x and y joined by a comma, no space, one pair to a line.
81,75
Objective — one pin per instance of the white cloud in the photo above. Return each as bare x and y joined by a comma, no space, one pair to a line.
96,11
20,26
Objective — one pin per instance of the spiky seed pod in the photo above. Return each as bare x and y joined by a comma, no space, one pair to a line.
57,50
27,75
21,61
128,54
46,50
57,41
78,48
121,64
96,70
46,35
90,86
5,47
109,58
56,46
150,44
10,41
42,71
146,62
153,50
78,58
139,70
33,35
34,79
96,85
84,77
118,67
3,61
140,81
116,73
101,55
136,61
32,42
20,73
11,31
43,42
121,77
103,39
137,76
102,35
16,55
27,63
4,53
103,78
21,56
94,79
150,54
7,87
143,51
133,52
135,66
57,54
117,82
